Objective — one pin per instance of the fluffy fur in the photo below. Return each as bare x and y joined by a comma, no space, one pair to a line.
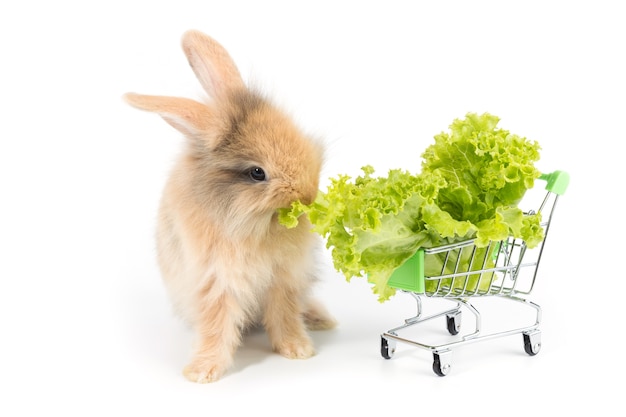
225,260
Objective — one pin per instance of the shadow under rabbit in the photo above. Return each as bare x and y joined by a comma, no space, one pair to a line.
256,348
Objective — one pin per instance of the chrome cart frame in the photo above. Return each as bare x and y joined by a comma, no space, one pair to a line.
505,269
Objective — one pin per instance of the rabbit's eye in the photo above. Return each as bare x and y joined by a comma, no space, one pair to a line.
257,174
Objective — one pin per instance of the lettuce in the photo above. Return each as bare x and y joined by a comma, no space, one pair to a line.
471,180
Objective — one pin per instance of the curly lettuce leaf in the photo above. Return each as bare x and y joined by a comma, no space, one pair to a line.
471,181
372,224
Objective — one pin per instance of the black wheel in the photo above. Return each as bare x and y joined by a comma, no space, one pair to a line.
532,343
386,349
453,322
439,368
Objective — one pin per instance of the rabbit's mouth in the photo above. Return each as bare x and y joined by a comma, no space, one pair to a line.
291,196
306,200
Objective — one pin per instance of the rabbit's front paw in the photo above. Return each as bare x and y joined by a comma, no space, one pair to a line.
203,372
296,349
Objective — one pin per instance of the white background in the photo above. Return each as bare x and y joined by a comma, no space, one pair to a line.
85,324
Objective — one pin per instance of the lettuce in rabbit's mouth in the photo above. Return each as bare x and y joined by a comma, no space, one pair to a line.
471,180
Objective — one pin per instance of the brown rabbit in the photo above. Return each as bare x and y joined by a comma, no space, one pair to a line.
226,261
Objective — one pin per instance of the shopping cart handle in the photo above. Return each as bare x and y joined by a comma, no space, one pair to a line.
557,181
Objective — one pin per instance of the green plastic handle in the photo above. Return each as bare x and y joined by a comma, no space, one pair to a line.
557,181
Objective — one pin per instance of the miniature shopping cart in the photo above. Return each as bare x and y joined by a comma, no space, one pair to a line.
506,269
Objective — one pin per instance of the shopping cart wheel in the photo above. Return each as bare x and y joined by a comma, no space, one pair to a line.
441,363
532,342
453,322
387,347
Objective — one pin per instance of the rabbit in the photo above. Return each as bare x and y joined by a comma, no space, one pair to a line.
226,262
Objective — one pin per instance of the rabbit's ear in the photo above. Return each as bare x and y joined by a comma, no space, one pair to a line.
212,64
186,115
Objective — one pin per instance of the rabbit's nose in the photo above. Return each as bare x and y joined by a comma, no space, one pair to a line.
309,196
307,200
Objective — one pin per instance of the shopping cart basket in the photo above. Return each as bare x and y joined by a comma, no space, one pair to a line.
505,269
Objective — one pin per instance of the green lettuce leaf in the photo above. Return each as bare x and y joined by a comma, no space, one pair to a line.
471,180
